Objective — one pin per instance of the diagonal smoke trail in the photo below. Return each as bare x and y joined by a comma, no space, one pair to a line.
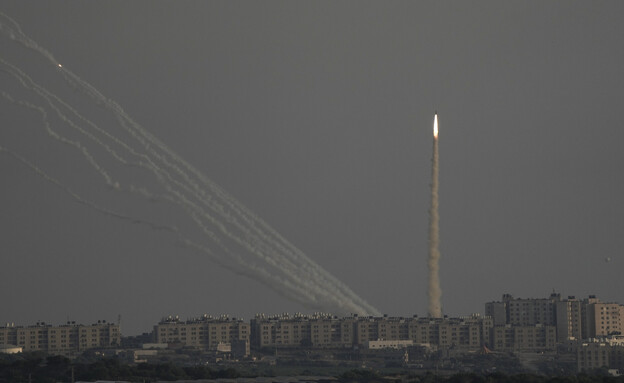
434,292
225,231
82,200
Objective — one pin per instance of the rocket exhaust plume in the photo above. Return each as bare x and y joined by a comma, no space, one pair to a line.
434,291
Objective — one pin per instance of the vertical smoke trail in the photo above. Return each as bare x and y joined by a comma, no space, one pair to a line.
435,304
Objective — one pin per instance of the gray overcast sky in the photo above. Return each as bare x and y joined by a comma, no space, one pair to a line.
317,116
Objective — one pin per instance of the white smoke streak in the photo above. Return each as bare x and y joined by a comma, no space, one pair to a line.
80,199
434,292
227,228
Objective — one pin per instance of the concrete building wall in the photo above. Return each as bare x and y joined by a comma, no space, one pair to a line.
62,340
365,330
574,319
347,331
588,317
487,323
497,311
324,332
569,319
8,335
262,333
321,333
529,312
606,319
523,312
536,337
616,357
203,333
524,338
291,333
502,338
593,355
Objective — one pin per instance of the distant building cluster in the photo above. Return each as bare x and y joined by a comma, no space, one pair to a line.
594,327
68,339
573,319
589,328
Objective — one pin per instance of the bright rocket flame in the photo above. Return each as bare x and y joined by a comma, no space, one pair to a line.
435,126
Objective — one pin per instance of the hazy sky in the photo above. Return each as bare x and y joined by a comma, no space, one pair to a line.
317,116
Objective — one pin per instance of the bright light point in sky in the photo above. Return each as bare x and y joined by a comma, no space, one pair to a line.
60,66
435,126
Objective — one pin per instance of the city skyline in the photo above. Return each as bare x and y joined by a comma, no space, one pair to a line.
490,309
317,117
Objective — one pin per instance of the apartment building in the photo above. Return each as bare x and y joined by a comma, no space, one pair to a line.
573,319
317,330
569,319
498,312
523,312
607,353
326,331
205,333
67,340
523,338
602,318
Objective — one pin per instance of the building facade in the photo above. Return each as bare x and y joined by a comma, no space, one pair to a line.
607,353
523,338
569,319
204,333
601,318
317,330
67,340
572,318
523,312
326,331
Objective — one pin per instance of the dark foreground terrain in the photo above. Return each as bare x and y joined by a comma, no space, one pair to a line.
37,368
